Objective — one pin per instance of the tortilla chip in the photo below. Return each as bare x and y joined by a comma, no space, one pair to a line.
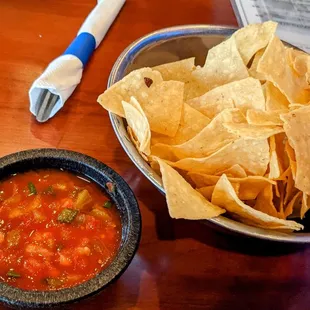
264,201
225,197
192,122
252,155
283,159
274,165
135,141
274,66
264,118
254,37
207,191
305,205
297,128
293,164
290,207
131,85
278,199
302,64
183,201
299,61
223,65
182,71
252,131
244,94
253,69
250,186
290,189
295,106
138,122
162,102
209,140
275,100
163,107
235,171
292,54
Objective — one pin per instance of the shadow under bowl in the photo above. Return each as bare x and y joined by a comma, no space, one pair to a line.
168,45
124,200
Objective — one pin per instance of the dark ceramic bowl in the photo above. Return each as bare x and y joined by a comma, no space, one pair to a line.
124,200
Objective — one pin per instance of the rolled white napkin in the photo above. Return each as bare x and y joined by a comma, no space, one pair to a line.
63,74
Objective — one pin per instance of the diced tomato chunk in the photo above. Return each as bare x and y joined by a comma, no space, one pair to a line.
64,260
84,242
83,251
33,266
2,237
34,249
91,222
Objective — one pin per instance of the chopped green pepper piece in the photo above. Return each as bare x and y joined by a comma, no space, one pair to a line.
111,187
83,199
13,274
67,215
49,191
32,188
53,282
107,204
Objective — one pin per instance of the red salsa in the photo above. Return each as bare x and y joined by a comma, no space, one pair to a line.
57,230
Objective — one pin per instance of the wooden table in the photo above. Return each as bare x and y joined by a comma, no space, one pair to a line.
180,264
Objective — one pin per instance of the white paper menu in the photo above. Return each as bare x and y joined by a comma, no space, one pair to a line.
293,17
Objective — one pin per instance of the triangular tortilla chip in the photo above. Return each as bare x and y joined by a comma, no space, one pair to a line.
182,71
132,84
162,102
235,171
223,65
264,201
274,66
249,188
138,122
274,165
192,122
290,206
253,69
244,94
252,131
183,201
297,128
250,154
163,107
275,100
209,140
207,191
225,197
305,205
264,118
254,37
283,159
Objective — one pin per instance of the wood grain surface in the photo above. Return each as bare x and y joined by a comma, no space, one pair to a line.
180,264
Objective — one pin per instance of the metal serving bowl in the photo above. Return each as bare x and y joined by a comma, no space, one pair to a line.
167,45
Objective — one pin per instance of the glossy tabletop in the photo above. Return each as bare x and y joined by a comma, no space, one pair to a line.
180,264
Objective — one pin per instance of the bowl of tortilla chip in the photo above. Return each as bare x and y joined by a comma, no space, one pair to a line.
217,119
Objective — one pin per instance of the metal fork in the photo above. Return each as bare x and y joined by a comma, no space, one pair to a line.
44,105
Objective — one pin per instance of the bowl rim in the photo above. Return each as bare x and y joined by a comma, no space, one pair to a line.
117,73
131,232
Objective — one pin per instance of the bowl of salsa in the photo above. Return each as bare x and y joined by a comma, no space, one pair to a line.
69,226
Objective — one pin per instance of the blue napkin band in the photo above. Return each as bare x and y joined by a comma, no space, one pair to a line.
82,47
